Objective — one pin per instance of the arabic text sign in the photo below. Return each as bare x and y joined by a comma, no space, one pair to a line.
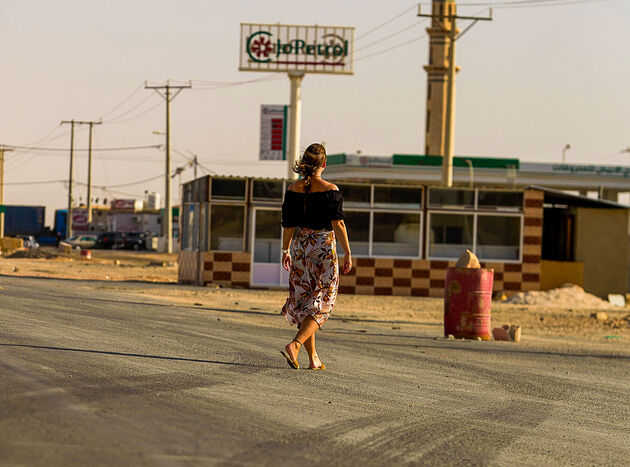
308,49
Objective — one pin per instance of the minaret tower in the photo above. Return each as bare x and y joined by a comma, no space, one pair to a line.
437,77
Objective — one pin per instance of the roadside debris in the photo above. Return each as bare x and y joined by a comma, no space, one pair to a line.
468,260
617,300
569,295
507,333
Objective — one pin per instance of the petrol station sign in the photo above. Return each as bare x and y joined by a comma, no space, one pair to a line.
289,48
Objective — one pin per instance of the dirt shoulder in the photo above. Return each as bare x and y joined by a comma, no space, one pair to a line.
110,265
153,276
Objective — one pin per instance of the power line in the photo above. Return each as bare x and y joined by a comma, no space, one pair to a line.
122,148
122,103
388,37
128,111
389,49
385,23
211,85
523,3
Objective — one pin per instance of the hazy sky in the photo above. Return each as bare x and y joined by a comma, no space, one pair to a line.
532,80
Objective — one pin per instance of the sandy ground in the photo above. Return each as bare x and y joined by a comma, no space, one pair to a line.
153,276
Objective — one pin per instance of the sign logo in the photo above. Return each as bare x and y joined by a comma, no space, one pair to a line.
315,49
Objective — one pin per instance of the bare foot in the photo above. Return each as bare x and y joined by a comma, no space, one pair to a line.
315,362
292,349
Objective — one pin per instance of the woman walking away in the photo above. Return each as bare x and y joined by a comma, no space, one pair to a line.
312,221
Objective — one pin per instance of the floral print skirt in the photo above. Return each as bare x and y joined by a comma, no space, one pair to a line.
314,277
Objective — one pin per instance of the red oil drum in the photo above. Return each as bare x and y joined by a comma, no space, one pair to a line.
467,303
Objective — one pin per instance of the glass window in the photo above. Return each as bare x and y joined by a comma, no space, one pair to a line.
396,234
187,192
267,236
510,200
355,195
190,224
358,226
267,190
450,235
388,196
498,237
451,198
228,188
226,227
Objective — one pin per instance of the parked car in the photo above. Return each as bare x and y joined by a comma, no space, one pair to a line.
84,241
134,241
109,240
29,241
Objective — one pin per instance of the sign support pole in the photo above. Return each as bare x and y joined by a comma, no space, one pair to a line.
294,121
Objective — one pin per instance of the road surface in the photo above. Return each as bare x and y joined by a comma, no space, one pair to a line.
93,376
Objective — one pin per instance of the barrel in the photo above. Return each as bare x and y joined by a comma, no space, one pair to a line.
467,303
86,254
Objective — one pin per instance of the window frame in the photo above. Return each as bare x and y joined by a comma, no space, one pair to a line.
451,208
398,211
502,214
228,200
398,185
243,206
475,216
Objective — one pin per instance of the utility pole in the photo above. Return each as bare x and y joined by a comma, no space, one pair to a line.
89,183
2,208
70,175
167,220
442,12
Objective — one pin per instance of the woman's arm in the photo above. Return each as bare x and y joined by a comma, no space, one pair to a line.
342,234
287,235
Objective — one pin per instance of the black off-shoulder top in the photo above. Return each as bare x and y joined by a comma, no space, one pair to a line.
312,210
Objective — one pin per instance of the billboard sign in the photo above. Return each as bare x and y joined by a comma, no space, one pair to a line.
308,49
273,132
80,219
129,204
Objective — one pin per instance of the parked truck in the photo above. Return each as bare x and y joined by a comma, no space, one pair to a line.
24,220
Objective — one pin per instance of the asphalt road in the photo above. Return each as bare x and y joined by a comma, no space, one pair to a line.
100,378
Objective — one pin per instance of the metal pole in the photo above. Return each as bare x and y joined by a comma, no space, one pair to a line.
294,121
167,219
2,208
89,183
447,161
471,173
195,163
168,214
69,217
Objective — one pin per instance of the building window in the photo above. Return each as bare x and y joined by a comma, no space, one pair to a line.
401,197
358,226
227,225
264,190
355,195
228,188
498,237
396,234
501,200
267,234
446,198
450,234
190,225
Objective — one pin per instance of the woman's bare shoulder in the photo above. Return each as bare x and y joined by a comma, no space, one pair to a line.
330,186
298,186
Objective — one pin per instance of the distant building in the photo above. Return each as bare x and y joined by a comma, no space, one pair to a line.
405,233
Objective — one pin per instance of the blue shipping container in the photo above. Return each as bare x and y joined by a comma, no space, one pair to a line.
24,220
